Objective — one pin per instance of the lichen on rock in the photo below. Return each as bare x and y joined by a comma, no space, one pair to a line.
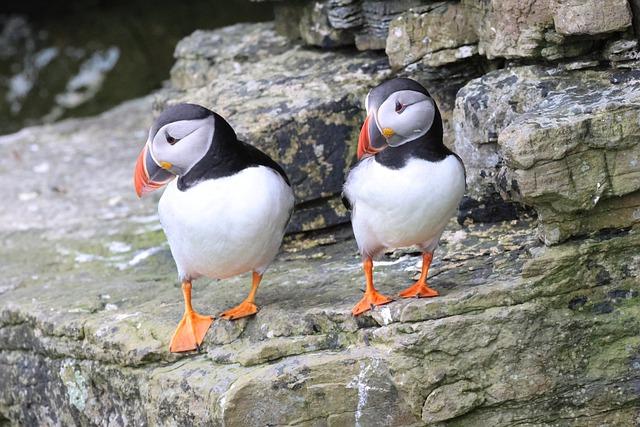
563,142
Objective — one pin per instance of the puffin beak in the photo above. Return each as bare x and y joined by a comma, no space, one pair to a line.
371,141
148,175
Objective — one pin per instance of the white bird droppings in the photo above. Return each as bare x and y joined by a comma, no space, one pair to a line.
119,247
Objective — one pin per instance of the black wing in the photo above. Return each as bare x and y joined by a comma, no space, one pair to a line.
257,157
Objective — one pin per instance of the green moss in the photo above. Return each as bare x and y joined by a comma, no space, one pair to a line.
613,359
145,240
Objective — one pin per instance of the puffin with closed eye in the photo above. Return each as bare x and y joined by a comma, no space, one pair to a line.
224,215
406,185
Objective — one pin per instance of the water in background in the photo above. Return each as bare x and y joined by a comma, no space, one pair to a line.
76,58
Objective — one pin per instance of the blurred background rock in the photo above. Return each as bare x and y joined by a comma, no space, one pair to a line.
78,58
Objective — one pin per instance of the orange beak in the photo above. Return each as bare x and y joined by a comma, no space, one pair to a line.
370,141
148,175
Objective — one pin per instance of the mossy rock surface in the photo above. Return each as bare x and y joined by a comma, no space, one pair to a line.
522,333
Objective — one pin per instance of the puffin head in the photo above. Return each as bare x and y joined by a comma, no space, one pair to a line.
179,138
398,111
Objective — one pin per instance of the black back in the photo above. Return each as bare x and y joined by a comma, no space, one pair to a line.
227,156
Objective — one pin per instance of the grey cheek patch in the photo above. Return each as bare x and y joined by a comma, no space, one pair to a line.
194,141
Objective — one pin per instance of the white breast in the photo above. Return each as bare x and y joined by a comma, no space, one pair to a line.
402,207
226,226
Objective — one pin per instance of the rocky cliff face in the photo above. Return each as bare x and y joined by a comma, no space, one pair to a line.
569,119
539,318
565,142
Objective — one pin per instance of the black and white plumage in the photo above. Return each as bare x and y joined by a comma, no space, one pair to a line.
227,211
407,184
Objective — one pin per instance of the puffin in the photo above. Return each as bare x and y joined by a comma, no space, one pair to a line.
406,184
224,210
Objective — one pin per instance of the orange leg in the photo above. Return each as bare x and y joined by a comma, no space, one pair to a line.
421,289
192,328
371,296
248,306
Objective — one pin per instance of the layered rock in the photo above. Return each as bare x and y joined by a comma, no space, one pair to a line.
447,31
565,142
623,53
317,28
546,29
439,34
446,44
329,23
377,17
521,333
577,17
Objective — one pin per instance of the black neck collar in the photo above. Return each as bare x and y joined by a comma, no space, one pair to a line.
220,159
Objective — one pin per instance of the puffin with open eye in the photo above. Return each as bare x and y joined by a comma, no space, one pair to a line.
406,185
224,215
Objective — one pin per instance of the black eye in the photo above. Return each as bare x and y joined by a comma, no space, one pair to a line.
171,140
399,107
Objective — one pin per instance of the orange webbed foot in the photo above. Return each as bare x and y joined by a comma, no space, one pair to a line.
419,290
370,300
244,309
190,332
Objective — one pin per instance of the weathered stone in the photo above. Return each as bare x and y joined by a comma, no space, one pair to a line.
315,28
377,15
578,65
563,142
510,28
345,14
433,31
623,53
448,56
611,213
450,401
522,333
478,119
338,14
592,16
446,31
569,49
284,99
367,41
287,16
